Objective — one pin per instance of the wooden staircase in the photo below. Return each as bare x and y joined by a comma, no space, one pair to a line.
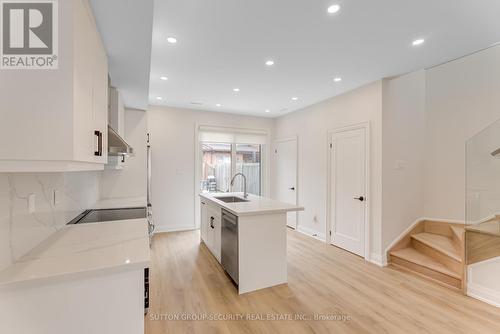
435,250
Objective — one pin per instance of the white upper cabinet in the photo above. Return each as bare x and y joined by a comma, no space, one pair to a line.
56,120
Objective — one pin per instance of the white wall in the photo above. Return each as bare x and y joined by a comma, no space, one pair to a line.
172,133
20,231
462,98
131,180
403,133
311,125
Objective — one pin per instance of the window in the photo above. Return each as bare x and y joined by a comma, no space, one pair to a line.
216,167
248,162
220,161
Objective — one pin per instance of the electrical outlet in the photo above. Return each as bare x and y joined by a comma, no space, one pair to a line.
31,203
400,165
56,197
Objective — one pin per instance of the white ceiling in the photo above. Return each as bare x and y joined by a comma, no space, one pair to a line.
223,44
125,27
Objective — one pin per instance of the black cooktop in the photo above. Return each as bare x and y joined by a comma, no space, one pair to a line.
103,215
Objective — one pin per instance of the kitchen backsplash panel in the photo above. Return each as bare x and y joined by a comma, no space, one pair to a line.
20,230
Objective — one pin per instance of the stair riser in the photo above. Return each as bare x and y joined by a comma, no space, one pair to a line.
440,228
426,272
458,243
438,256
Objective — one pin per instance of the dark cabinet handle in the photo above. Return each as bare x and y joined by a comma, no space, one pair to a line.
212,222
360,198
99,143
292,188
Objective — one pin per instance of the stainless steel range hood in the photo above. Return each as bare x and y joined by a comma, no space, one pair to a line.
117,146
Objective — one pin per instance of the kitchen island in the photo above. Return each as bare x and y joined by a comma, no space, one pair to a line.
247,236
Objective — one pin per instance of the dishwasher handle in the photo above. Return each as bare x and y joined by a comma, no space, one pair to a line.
229,218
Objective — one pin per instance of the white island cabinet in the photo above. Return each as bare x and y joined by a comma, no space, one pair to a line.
257,248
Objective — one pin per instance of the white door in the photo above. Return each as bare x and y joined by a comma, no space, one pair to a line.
285,154
348,189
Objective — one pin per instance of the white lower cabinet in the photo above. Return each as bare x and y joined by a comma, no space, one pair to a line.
210,226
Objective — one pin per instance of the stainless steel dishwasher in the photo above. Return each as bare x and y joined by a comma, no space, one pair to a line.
229,244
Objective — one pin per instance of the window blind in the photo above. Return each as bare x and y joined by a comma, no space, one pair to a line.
216,134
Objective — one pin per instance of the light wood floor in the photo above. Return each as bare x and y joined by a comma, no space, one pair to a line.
322,279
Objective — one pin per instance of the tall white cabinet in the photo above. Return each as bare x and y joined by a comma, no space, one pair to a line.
56,120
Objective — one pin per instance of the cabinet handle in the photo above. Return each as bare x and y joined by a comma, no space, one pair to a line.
212,222
98,134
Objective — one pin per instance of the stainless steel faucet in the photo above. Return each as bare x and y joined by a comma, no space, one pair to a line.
245,195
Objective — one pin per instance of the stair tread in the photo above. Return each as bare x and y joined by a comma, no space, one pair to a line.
410,254
440,243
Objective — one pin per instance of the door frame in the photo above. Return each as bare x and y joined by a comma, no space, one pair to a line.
282,140
329,184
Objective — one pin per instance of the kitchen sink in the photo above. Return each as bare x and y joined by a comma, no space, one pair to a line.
231,199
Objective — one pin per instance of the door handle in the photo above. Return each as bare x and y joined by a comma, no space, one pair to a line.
292,188
360,198
212,222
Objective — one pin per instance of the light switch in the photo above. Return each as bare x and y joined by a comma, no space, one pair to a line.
31,203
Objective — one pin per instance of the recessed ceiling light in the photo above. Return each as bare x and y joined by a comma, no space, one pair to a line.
270,62
295,98
236,89
418,41
159,98
164,78
218,105
172,40
337,79
333,9
267,110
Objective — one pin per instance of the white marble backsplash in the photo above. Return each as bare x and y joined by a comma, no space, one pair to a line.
20,230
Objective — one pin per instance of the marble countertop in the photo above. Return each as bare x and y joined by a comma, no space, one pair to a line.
256,205
81,249
124,202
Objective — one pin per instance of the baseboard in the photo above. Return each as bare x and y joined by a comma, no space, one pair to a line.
377,259
483,294
453,221
164,229
311,233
